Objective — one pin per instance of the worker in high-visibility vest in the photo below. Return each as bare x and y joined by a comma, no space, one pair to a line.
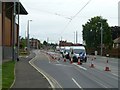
64,53
71,55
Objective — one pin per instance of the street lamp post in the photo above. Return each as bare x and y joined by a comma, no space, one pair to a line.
28,46
101,39
13,40
101,29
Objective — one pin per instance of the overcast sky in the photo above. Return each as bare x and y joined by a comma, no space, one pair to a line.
50,17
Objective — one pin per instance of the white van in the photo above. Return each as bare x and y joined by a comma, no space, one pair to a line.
79,52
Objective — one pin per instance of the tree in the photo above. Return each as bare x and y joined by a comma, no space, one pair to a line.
22,43
92,33
45,43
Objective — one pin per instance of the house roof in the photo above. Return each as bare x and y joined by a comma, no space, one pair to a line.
22,9
19,6
117,40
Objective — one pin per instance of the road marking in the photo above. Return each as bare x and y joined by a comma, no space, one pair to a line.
76,83
95,80
63,65
48,77
58,61
42,74
26,56
47,57
80,66
101,84
115,74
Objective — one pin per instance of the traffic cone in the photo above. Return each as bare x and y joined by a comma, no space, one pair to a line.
107,68
52,57
79,61
92,64
59,58
94,57
71,61
64,59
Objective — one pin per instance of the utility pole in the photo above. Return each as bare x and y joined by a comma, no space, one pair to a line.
47,43
18,30
61,38
47,39
28,46
13,40
101,39
76,36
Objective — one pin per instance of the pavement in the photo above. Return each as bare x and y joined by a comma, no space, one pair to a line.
28,77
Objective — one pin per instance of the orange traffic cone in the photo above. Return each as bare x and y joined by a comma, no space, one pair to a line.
92,64
64,59
94,57
107,68
79,61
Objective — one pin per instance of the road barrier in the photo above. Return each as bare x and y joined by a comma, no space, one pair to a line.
92,63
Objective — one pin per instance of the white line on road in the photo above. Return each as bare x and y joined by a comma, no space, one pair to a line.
47,57
42,74
58,61
63,65
76,83
80,66
26,56
50,79
101,84
115,74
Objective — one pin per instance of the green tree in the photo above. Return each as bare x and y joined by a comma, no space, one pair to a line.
92,33
22,43
45,43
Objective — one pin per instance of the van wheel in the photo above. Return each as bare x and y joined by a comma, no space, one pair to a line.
85,59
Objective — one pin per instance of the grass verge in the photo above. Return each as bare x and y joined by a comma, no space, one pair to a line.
7,74
23,53
0,76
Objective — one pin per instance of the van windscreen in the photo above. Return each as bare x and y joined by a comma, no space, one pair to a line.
78,51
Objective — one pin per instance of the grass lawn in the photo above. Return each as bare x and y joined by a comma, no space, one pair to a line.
22,52
0,76
7,74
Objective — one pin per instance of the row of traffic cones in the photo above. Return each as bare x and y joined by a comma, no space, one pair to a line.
71,61
93,66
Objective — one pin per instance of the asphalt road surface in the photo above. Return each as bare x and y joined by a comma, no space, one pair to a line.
62,74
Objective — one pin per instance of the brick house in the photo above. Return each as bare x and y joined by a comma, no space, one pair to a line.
34,43
116,43
9,30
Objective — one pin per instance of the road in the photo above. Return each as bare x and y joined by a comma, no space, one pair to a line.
62,74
